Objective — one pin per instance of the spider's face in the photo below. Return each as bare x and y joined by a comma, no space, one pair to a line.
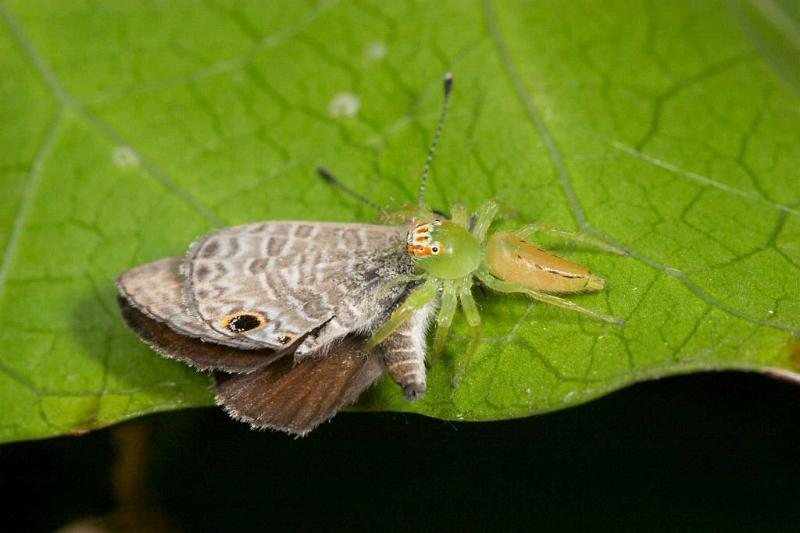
443,249
420,240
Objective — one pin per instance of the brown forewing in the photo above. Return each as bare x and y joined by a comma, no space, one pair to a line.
261,386
295,397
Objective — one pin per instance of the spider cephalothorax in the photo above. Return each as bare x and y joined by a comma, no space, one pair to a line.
445,249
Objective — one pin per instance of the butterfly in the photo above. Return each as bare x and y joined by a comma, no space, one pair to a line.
296,319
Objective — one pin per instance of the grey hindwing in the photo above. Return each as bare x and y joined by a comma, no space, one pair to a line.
194,351
300,276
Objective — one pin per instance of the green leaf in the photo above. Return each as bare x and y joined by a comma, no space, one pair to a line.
669,128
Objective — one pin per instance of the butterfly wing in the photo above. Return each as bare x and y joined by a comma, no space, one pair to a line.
271,391
298,276
295,397
156,290
196,352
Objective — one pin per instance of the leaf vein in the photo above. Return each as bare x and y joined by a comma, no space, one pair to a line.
27,199
68,102
533,115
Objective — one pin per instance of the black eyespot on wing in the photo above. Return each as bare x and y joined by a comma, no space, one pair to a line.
194,351
241,322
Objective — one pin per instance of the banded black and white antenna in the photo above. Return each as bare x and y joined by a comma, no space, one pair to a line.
448,88
328,176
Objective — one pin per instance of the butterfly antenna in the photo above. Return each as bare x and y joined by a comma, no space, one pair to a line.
448,87
328,176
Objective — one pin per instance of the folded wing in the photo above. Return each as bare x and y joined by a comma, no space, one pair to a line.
297,276
160,318
295,397
156,289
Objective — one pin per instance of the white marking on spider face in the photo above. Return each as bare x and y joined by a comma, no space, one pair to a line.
344,105
125,157
376,50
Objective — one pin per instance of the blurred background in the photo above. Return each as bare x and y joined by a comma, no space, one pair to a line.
711,452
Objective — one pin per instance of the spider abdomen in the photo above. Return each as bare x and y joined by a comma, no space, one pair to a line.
516,260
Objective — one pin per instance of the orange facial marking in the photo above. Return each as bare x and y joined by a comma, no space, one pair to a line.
420,242
419,250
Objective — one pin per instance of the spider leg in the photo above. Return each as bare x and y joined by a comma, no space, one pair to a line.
445,316
459,215
418,299
474,320
506,287
528,231
484,217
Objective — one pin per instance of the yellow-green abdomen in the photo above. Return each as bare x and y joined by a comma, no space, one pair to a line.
513,259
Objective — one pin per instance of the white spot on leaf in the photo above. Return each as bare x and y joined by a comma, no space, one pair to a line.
125,157
344,105
376,50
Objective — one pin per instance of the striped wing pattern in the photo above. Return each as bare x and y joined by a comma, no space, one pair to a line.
299,275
